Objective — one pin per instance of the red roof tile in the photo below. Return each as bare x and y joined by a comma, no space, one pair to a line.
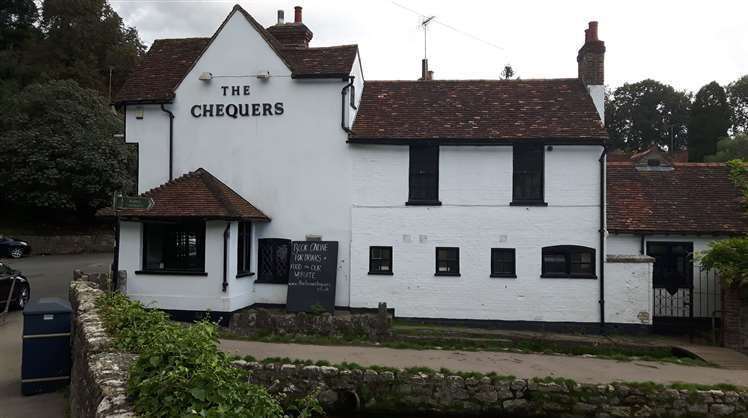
195,195
692,198
481,110
331,61
161,70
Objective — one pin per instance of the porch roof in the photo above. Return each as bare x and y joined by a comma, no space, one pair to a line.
197,194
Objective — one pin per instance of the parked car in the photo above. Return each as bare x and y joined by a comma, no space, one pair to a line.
15,248
21,289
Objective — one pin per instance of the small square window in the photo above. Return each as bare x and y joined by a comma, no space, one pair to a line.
380,260
572,261
503,262
447,261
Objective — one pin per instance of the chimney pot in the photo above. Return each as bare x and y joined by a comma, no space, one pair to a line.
281,19
297,14
593,31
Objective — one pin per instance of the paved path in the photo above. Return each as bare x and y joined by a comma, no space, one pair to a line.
49,276
723,357
582,370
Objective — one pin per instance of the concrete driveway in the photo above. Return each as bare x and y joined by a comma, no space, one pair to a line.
49,276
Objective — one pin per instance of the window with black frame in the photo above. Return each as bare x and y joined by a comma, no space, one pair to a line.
380,260
274,260
568,261
177,247
447,261
528,172
503,262
423,188
244,249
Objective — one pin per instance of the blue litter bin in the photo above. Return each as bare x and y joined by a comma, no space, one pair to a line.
45,364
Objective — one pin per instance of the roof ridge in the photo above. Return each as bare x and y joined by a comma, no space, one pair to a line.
455,80
210,183
179,179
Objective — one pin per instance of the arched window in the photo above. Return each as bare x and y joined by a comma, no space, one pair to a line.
568,261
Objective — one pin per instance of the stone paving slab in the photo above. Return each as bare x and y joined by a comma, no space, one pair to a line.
580,369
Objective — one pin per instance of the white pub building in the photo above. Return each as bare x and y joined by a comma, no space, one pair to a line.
448,199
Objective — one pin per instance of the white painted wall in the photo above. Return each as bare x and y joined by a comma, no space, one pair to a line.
475,190
628,292
295,167
627,244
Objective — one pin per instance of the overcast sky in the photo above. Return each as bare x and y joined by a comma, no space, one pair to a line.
684,43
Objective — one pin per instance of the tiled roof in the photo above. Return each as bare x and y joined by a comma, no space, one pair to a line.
692,198
162,68
331,61
169,60
195,195
479,110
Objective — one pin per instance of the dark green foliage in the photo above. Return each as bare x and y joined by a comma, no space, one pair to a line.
641,114
58,149
730,258
70,51
737,96
731,148
180,370
710,119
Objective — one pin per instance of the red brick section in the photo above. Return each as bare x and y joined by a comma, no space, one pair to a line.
694,198
479,110
162,68
293,35
195,195
732,332
591,58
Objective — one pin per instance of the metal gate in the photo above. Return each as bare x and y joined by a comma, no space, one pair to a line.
685,298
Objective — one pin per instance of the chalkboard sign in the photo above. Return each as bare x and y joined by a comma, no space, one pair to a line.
312,276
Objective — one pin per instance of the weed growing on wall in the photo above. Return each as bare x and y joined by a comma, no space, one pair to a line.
180,370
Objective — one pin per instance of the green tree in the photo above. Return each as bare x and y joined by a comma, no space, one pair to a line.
737,96
710,120
58,149
84,40
730,148
18,35
641,114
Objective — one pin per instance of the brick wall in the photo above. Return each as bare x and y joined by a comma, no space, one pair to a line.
735,318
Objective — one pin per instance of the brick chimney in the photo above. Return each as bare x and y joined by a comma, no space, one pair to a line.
426,74
292,34
591,58
591,67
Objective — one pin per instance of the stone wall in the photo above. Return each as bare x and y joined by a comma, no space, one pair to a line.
251,322
70,244
403,393
99,374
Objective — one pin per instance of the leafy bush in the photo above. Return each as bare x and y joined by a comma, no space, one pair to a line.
180,371
730,258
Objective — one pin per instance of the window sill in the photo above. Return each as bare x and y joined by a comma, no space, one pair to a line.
504,276
527,203
258,281
423,203
244,274
568,276
381,273
447,274
172,272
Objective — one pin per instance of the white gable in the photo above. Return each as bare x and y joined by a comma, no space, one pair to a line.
237,51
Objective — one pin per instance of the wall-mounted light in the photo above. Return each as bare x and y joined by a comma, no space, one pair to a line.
265,75
139,112
206,76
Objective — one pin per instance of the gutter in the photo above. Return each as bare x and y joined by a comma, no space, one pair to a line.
342,102
225,283
602,239
171,141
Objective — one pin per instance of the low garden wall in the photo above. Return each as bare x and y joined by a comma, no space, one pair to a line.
100,375
735,317
259,321
404,392
98,381
69,244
